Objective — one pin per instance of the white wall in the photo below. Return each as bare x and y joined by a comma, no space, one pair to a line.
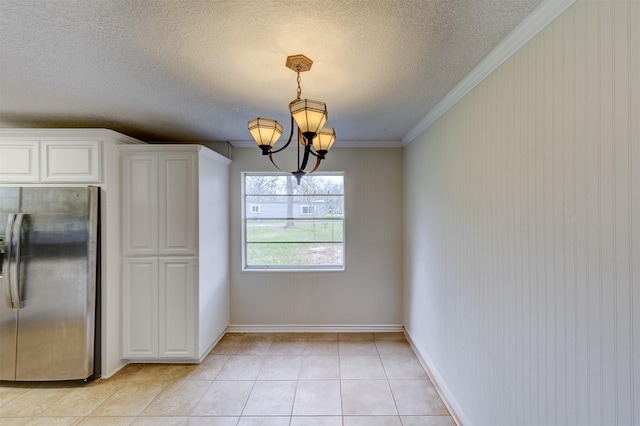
522,238
369,291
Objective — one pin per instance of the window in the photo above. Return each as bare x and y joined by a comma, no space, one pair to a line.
255,209
300,227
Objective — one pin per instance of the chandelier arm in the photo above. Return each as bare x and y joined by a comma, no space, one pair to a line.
288,142
274,163
298,154
305,159
318,160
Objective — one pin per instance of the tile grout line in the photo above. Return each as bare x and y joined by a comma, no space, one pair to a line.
386,375
263,357
340,381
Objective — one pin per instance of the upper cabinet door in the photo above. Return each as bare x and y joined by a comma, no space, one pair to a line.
19,162
72,161
140,204
178,204
51,161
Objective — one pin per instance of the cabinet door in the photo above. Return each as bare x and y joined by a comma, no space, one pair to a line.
140,204
178,204
140,308
72,161
19,162
178,308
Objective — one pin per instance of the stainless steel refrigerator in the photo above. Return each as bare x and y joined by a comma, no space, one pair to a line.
48,250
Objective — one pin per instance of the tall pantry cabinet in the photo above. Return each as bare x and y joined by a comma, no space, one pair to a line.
175,227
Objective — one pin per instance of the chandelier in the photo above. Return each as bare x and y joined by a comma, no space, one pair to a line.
310,116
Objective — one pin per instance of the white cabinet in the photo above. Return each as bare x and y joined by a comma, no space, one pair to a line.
140,307
50,161
160,301
140,204
178,204
178,308
160,205
19,161
175,290
73,161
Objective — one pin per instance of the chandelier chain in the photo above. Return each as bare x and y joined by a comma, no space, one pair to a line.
298,79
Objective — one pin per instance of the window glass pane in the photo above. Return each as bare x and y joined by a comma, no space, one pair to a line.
295,230
265,184
291,226
294,255
294,206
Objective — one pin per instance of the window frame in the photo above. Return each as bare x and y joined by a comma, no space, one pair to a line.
290,268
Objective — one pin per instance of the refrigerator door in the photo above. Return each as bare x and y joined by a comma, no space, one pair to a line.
57,271
9,205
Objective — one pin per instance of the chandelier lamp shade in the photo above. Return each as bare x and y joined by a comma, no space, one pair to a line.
309,116
324,140
266,133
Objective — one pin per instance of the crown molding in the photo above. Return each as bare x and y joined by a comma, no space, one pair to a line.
338,144
536,21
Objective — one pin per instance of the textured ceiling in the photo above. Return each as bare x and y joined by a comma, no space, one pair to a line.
196,70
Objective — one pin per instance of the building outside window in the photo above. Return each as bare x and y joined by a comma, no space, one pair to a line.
306,209
299,227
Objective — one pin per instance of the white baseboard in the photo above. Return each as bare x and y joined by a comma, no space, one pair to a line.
455,409
314,328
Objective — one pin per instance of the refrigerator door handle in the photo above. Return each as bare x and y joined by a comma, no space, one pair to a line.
14,268
6,264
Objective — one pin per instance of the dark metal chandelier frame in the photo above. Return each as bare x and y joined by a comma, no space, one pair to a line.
309,116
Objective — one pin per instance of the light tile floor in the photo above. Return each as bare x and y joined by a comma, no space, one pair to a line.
315,379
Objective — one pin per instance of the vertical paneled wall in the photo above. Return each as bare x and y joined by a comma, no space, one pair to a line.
522,207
